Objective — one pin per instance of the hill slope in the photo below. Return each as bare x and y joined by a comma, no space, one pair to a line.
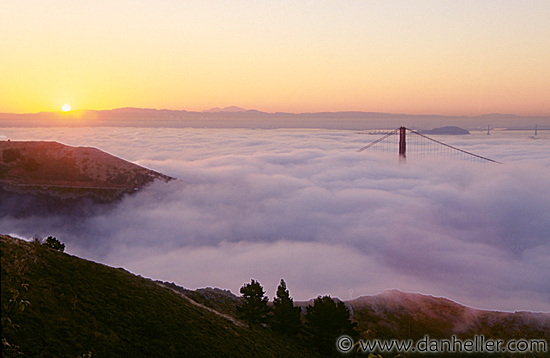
48,176
400,315
77,306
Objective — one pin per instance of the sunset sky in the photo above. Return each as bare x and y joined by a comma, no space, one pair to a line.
400,56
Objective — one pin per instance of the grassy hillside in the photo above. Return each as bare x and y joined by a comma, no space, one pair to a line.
42,177
78,306
52,164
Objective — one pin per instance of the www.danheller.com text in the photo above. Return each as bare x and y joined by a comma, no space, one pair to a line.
477,344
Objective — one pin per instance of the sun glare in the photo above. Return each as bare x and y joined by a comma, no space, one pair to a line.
66,108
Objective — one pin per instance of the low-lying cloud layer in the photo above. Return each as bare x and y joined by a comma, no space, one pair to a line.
305,206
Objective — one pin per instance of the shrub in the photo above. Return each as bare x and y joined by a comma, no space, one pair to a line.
54,244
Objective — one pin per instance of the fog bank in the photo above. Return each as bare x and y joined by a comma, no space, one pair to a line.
305,206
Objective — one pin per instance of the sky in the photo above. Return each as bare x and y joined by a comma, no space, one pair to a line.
305,206
399,56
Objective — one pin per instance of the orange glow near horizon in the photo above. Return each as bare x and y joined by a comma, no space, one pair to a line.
438,57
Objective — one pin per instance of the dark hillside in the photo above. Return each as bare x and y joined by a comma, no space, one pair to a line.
223,301
78,306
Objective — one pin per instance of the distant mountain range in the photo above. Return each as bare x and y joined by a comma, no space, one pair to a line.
236,117
232,109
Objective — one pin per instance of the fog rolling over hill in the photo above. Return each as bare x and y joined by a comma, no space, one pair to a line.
304,205
401,315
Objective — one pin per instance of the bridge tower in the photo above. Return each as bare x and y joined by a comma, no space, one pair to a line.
402,144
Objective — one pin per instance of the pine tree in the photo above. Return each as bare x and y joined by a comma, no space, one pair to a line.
326,321
254,309
286,317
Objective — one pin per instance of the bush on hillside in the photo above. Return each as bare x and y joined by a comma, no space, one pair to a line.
54,244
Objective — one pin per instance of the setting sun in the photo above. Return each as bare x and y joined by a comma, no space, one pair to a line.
66,108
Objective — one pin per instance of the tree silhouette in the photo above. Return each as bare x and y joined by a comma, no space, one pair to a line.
254,309
286,317
326,321
54,244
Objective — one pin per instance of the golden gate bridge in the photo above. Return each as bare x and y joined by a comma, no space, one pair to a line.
420,144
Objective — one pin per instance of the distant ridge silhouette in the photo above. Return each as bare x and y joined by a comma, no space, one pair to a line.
237,117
